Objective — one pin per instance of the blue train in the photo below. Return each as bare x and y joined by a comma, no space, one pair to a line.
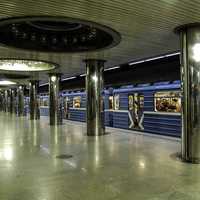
153,108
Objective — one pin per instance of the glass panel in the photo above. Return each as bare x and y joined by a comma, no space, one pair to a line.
116,102
141,101
167,101
77,102
130,102
110,102
44,102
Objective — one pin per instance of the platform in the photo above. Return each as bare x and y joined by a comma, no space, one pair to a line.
122,165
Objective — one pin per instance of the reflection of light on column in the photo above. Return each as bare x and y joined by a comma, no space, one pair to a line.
35,135
95,78
96,152
196,52
7,153
53,78
56,135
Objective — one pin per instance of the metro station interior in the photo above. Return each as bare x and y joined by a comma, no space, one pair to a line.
99,100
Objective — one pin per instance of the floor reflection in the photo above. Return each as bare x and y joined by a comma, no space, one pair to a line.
120,165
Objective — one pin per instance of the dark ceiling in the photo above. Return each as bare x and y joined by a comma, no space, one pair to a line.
165,69
146,28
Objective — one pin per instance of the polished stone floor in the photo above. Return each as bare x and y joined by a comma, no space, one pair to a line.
118,166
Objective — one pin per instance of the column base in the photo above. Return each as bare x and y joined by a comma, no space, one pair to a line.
191,160
34,119
90,135
59,124
178,157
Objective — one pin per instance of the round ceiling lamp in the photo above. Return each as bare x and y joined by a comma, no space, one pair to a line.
25,65
7,83
56,34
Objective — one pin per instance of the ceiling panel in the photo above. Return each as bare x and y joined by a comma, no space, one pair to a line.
146,27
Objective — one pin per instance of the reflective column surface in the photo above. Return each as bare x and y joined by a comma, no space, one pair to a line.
12,100
190,75
34,104
55,106
20,100
123,165
1,101
9,100
5,101
94,90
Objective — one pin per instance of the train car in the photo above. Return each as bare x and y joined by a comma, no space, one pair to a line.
74,104
154,108
151,108
44,105
26,105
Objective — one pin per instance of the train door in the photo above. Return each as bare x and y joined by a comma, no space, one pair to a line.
66,107
111,106
135,106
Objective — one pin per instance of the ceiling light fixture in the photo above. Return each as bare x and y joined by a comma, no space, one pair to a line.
43,84
25,65
5,83
69,78
116,67
154,58
76,35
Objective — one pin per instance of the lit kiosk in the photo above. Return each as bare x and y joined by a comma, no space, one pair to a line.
190,76
94,89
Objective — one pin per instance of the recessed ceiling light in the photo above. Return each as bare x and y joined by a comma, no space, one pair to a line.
69,78
108,69
25,65
56,34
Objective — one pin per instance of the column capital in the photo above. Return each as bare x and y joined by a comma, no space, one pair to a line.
184,27
92,60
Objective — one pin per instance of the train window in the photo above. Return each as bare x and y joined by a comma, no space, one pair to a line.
116,102
141,101
66,100
44,102
167,101
77,102
110,102
130,102
135,101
